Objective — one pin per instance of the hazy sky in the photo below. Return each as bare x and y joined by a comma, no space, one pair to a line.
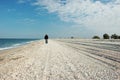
58,18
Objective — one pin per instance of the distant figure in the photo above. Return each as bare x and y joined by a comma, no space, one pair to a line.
46,38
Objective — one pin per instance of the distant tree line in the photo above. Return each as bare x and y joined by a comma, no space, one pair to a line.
96,37
106,36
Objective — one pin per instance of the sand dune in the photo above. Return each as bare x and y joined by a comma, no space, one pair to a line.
62,60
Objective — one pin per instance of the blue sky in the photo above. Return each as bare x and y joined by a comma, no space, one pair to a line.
62,18
22,20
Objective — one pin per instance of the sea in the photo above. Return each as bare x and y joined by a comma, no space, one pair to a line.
12,43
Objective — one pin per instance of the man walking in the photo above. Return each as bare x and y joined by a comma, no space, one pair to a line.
46,38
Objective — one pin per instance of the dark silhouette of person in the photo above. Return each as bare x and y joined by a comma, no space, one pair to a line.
46,38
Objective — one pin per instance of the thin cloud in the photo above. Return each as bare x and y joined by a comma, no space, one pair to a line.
11,10
23,1
27,21
97,15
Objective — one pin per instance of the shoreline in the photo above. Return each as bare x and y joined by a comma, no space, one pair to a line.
16,45
19,46
11,51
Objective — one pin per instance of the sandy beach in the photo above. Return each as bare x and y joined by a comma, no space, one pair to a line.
63,59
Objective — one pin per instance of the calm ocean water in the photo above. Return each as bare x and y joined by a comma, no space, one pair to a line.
11,43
